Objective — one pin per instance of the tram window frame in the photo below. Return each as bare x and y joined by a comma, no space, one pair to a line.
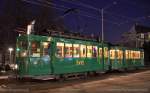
68,50
60,45
89,51
76,50
37,51
83,51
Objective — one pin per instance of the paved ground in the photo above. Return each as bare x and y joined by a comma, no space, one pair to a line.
115,82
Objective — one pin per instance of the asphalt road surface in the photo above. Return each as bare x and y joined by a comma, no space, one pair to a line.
137,81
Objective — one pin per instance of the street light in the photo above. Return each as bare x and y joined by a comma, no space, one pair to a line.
10,52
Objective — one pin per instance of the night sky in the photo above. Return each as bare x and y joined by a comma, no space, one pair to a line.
118,18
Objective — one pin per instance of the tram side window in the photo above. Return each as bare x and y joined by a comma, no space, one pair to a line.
89,51
105,52
83,50
60,50
76,50
137,54
35,49
120,54
45,48
68,50
94,51
23,45
142,54
127,54
116,54
112,54
132,55
100,52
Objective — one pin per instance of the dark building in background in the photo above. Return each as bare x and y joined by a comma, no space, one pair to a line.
16,14
138,36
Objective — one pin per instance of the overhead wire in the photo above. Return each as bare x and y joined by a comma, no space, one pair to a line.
81,4
45,5
129,19
36,3
91,7
87,14
62,6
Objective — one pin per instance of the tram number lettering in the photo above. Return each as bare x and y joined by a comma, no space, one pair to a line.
80,62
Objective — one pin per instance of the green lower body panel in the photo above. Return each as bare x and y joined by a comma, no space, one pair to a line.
34,67
133,63
117,64
106,64
77,65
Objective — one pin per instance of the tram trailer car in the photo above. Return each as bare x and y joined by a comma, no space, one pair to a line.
122,58
133,58
42,56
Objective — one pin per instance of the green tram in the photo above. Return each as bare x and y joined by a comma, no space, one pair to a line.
39,56
54,57
125,58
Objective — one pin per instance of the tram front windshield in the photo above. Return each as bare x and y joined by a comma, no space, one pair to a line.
21,49
32,49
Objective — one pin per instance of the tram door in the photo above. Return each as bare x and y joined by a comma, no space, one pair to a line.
100,58
40,58
106,59
46,58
